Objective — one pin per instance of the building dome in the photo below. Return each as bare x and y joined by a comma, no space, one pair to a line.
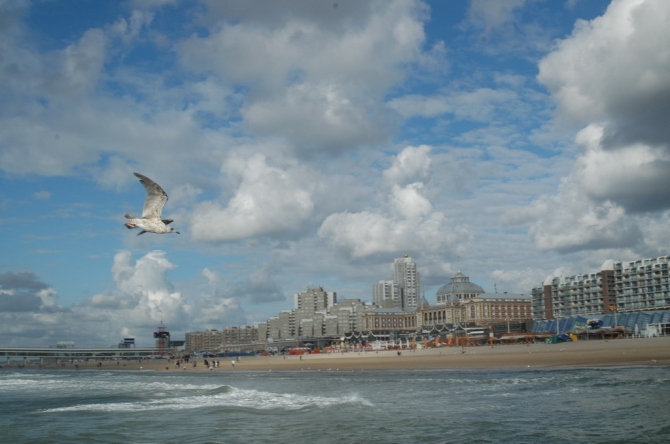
459,288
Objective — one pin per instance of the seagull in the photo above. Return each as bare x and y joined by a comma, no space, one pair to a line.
151,221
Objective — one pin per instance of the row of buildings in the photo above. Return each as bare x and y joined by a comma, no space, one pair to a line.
317,314
619,287
214,339
641,286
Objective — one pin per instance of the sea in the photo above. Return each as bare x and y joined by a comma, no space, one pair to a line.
578,405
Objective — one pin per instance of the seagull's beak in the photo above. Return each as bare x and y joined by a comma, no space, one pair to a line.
177,232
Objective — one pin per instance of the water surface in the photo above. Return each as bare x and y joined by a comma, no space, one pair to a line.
613,405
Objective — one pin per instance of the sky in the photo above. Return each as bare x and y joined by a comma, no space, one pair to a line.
309,143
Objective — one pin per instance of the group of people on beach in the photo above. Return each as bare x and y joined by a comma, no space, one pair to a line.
214,364
209,365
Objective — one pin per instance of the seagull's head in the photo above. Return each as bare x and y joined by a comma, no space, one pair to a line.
172,230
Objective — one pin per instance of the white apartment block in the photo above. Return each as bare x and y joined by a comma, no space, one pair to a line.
262,331
314,299
407,277
350,314
387,294
303,322
210,340
620,286
330,326
286,325
274,329
307,304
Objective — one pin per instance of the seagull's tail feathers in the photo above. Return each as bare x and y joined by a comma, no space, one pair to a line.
141,232
129,216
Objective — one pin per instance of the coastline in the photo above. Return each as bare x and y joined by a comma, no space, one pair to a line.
587,353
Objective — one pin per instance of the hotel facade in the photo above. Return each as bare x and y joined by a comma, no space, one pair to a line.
232,337
619,287
462,301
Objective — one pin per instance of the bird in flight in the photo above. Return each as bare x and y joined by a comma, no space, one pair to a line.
151,220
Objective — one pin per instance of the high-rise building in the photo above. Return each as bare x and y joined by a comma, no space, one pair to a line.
307,304
314,299
349,314
274,328
387,294
408,279
286,325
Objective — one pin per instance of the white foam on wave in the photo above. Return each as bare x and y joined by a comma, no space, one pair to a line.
251,399
32,383
42,383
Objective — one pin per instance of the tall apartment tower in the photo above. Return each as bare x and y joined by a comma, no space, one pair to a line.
310,306
387,294
406,276
314,299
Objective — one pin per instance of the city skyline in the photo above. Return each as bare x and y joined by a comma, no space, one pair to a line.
611,290
307,142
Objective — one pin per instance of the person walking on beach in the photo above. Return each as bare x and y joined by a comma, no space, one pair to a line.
233,363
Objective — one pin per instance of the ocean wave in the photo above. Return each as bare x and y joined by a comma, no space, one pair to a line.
223,396
221,390
42,383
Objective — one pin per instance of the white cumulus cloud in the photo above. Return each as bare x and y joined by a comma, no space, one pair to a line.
406,221
612,75
269,200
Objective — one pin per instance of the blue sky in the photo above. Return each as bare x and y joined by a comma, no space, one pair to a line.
311,143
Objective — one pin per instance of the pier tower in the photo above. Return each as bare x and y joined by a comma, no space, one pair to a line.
162,337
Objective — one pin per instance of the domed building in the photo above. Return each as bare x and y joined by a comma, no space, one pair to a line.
461,301
458,289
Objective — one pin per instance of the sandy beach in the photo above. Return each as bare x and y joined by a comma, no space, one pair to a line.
592,353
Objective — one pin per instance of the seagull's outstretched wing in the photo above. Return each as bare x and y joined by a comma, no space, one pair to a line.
156,198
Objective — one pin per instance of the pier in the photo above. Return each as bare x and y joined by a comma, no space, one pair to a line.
71,354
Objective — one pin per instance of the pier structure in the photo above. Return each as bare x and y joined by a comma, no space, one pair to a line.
59,355
162,337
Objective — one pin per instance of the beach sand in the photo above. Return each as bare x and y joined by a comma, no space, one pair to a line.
588,353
